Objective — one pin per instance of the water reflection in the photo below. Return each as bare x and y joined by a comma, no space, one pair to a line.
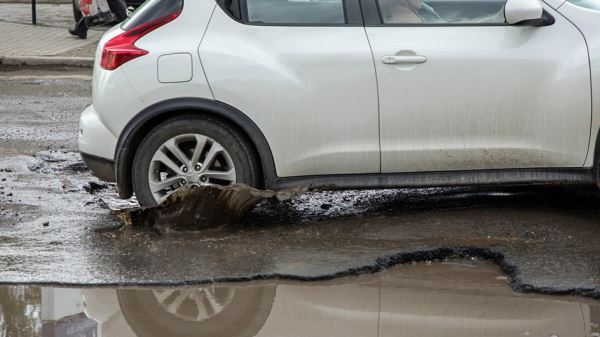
48,312
20,307
451,298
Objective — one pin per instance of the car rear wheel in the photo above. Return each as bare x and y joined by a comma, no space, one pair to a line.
191,151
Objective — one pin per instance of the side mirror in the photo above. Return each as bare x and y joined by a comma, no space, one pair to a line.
525,12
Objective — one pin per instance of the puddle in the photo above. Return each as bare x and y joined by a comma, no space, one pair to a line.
450,298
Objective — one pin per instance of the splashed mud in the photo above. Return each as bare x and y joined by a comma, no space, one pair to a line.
203,207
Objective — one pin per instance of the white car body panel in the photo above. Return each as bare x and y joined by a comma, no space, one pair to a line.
94,136
110,114
489,97
588,22
554,3
124,100
143,71
314,99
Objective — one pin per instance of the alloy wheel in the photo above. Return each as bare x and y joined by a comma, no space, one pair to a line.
191,160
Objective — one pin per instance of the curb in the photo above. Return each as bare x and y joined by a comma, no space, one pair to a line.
83,62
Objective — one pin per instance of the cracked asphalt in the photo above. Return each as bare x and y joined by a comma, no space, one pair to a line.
57,222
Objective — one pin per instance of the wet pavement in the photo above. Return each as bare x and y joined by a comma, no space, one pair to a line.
459,298
38,109
58,223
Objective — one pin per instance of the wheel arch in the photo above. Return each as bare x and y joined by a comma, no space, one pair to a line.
134,132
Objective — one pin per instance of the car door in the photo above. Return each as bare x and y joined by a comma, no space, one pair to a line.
459,89
303,72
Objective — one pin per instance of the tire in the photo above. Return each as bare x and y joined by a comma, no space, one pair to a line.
77,15
243,315
240,154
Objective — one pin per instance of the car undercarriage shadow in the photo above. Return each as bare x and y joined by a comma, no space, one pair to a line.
330,205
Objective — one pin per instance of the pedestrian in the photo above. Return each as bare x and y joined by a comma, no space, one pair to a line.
98,10
119,9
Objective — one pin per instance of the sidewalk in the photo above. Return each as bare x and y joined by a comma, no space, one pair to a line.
47,43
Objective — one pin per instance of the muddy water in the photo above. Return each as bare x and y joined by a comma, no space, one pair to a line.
449,298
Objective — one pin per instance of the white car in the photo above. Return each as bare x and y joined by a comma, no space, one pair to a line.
346,94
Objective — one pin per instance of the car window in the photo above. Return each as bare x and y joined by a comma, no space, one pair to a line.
296,11
589,4
442,11
232,7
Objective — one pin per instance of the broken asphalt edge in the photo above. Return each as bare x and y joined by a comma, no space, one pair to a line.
69,61
380,264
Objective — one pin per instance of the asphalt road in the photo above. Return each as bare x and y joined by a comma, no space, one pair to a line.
57,225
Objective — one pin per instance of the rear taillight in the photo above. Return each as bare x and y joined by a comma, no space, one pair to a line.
121,48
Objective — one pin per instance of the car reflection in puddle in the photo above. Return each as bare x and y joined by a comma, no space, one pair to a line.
449,298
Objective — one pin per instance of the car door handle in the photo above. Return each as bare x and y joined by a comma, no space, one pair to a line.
405,59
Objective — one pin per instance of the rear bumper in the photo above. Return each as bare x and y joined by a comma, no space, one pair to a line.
100,167
94,137
96,145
